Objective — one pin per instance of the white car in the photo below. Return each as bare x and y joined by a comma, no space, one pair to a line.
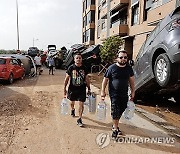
52,52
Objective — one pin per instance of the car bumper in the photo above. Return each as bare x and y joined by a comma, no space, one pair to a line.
174,53
4,76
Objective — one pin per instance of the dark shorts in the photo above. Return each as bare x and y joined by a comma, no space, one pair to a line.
77,95
118,106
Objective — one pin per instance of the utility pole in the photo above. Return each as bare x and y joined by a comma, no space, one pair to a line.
17,24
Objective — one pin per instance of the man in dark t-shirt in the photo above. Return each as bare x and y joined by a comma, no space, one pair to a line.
79,80
119,75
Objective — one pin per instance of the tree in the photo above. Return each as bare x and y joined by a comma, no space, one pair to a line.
109,49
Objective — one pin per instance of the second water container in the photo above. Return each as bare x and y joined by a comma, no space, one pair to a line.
64,106
101,110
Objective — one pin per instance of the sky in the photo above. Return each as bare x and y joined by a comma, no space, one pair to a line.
46,22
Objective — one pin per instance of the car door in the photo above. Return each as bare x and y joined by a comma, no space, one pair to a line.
145,59
17,69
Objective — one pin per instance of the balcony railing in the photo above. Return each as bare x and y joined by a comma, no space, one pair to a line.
119,22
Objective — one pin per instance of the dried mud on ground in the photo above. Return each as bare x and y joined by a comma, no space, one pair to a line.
18,111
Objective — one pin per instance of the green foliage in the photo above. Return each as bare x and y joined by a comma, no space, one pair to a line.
2,51
109,49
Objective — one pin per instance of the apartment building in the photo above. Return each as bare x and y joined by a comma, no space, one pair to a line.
133,20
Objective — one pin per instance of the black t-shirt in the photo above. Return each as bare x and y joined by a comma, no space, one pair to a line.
77,76
118,80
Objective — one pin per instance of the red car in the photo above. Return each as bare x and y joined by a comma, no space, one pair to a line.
10,69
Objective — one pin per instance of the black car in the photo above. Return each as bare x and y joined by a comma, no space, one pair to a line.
157,65
33,51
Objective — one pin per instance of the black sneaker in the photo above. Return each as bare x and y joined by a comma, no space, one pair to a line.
73,113
114,134
118,130
79,122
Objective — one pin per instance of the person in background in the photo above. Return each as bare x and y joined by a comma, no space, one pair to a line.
51,64
120,75
79,80
37,60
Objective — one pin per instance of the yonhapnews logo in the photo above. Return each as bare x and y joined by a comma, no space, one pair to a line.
103,140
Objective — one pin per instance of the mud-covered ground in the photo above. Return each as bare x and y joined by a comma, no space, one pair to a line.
30,122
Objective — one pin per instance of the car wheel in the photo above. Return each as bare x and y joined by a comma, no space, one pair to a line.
163,70
11,78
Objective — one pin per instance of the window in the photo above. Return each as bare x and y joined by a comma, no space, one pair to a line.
103,26
84,37
104,4
91,34
91,17
98,31
2,61
135,14
85,21
99,12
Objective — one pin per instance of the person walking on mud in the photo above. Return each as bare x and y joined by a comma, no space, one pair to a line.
79,80
51,64
119,75
37,60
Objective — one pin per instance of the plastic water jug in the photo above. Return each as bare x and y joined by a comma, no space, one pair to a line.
92,102
64,106
86,106
101,110
129,112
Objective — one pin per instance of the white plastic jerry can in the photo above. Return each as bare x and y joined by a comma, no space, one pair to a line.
92,102
101,110
64,106
129,112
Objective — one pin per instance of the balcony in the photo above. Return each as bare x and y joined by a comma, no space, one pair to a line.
89,43
91,25
103,12
115,3
119,28
90,8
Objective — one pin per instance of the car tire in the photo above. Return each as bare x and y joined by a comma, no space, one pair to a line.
163,70
11,79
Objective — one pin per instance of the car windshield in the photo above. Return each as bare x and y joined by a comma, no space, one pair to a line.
52,50
2,61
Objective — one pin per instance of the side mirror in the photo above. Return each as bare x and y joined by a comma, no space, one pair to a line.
131,62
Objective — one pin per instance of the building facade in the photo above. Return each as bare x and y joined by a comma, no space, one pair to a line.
133,20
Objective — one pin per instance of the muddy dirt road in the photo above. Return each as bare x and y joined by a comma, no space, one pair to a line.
30,122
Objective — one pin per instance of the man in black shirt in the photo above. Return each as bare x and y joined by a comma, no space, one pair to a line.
119,75
79,80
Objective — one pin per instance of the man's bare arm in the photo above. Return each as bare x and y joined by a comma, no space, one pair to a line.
104,84
88,83
132,87
66,80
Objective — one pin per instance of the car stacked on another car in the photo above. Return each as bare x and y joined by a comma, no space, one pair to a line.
157,65
10,69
